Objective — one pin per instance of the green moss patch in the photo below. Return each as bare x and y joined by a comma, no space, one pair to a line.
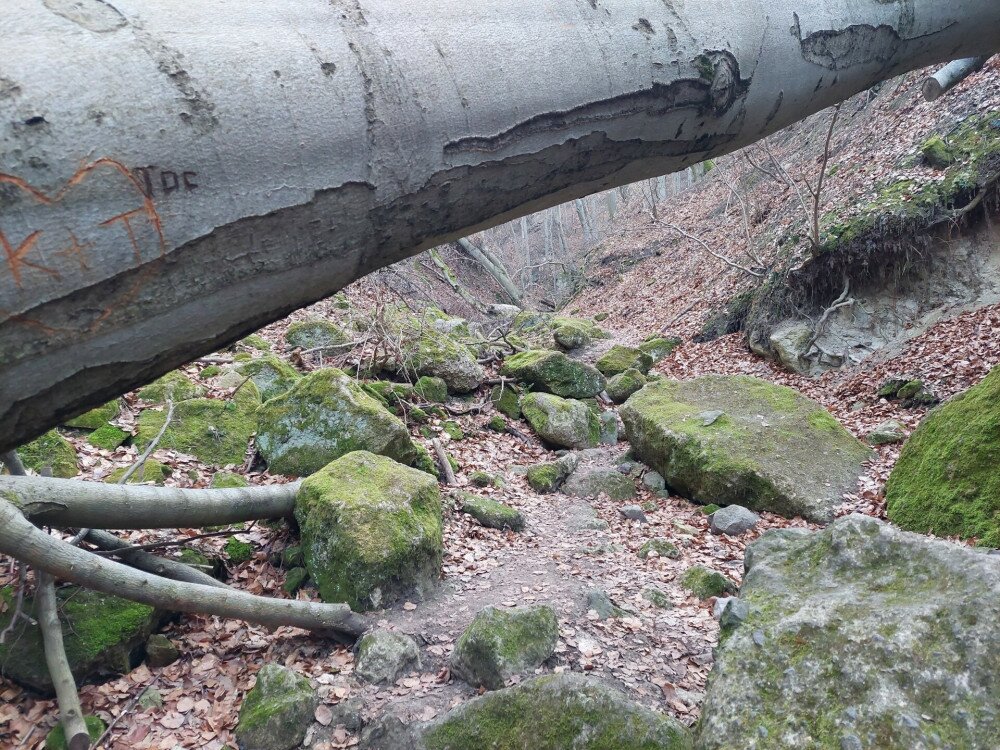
620,358
56,739
174,385
152,471
272,375
52,451
108,437
555,373
947,478
96,418
705,583
312,334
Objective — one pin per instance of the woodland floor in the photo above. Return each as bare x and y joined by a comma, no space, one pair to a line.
660,656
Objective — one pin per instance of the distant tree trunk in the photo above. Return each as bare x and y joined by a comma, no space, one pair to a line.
492,265
172,181
581,212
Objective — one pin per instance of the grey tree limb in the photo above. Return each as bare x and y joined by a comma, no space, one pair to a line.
150,563
20,538
68,503
70,713
494,268
173,181
951,75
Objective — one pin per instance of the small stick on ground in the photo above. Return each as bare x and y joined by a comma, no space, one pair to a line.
128,709
70,713
444,463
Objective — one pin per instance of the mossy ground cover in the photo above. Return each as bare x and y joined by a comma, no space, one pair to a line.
50,450
947,478
555,373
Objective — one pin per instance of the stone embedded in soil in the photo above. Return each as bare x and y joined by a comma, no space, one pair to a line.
553,372
840,618
371,531
160,651
705,583
500,643
619,359
633,513
491,513
661,546
277,712
887,432
560,421
383,656
590,483
733,520
770,448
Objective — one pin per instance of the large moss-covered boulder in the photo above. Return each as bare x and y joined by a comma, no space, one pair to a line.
428,348
216,431
50,451
620,358
554,372
947,478
312,334
103,636
326,415
174,385
500,643
96,418
554,712
371,530
561,421
741,440
277,712
272,375
659,347
859,636
549,331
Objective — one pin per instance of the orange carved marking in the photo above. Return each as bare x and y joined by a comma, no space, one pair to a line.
76,250
16,259
124,219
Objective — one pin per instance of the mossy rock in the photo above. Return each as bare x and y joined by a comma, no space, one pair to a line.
96,418
238,551
547,476
497,423
50,450
103,636
656,597
592,482
224,480
312,334
662,547
56,739
484,479
151,472
277,712
452,429
174,385
426,350
209,372
383,656
624,384
947,478
554,372
620,358
326,415
659,347
839,619
937,153
560,421
255,341
554,712
198,560
490,513
741,440
506,399
295,579
371,530
216,431
705,583
108,437
539,330
500,643
431,389
272,375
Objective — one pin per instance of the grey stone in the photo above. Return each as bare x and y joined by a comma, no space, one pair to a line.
500,643
654,481
733,520
562,422
160,651
384,656
150,698
589,483
735,612
277,712
708,418
656,597
609,428
848,615
633,513
661,546
790,341
888,432
601,603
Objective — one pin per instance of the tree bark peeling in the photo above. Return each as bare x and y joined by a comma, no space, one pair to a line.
158,201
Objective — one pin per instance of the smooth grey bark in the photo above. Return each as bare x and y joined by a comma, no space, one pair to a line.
950,76
494,268
67,503
20,539
142,560
174,176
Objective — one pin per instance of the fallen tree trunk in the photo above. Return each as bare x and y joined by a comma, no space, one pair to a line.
20,539
68,503
170,183
950,76
150,563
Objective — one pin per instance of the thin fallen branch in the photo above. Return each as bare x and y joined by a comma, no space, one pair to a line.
126,711
43,552
69,503
444,463
142,560
152,445
18,614
70,713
